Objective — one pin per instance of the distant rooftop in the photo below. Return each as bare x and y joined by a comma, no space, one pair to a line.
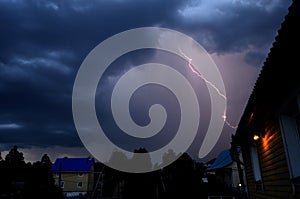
223,160
72,164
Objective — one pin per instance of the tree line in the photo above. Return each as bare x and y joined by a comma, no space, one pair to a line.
21,180
181,179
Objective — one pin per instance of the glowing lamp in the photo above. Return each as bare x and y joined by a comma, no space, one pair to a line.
255,137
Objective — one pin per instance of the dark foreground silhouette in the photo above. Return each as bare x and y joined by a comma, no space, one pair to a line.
181,179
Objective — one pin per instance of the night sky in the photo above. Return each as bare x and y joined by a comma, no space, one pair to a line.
43,43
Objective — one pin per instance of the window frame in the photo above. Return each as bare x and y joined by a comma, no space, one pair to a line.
80,186
62,184
255,163
256,166
291,141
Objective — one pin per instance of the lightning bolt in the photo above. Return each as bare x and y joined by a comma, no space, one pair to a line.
190,65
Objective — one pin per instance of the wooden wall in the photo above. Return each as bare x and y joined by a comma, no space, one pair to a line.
71,179
274,169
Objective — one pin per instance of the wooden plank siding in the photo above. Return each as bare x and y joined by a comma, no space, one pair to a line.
274,169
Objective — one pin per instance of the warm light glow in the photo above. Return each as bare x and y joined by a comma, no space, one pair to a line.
255,137
267,139
250,119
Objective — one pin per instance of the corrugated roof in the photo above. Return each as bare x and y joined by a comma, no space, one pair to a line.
72,164
278,77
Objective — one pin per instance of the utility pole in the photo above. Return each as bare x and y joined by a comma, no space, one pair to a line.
59,174
241,175
234,153
99,184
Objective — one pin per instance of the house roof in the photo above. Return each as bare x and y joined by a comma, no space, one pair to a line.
72,164
221,161
278,79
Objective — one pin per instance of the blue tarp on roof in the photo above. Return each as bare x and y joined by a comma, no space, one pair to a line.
224,159
72,164
221,161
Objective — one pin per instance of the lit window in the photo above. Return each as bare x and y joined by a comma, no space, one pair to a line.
79,185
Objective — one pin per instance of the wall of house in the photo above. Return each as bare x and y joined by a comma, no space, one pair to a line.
274,169
71,180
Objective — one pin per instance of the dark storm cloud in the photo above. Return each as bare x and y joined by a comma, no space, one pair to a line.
42,44
233,26
35,95
74,25
254,58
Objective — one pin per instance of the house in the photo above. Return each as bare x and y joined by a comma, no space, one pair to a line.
75,175
225,171
268,132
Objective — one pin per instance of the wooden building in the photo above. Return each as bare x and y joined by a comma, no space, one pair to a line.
74,175
268,132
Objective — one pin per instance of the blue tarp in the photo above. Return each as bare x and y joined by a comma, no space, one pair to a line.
223,160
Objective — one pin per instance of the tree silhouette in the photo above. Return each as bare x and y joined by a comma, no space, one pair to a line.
45,160
140,185
13,170
182,178
25,180
40,182
118,158
143,161
14,157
